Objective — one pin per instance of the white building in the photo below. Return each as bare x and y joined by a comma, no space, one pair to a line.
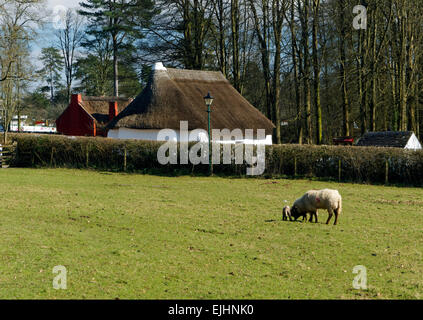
175,95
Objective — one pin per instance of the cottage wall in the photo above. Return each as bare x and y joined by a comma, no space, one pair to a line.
153,135
75,121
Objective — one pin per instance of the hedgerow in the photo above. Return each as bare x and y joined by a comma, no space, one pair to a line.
354,164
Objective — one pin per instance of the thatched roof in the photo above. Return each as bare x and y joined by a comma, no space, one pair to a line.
395,139
98,107
174,95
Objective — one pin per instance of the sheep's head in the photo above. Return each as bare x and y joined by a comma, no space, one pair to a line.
295,212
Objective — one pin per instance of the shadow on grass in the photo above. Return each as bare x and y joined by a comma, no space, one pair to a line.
287,221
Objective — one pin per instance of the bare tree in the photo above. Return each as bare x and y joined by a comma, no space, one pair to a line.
235,26
316,67
68,41
261,27
221,35
279,8
18,20
342,68
304,15
295,53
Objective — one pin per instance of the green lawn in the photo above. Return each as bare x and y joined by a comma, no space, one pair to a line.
145,237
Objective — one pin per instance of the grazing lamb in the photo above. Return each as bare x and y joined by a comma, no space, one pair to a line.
286,213
318,199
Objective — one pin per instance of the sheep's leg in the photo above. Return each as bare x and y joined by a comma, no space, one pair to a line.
330,211
312,214
316,215
336,216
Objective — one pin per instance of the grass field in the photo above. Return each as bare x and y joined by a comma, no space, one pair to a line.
140,236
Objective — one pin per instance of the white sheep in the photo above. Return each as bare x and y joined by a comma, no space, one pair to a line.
313,200
286,213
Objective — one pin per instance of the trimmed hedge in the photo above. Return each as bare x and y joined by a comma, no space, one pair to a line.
355,164
358,164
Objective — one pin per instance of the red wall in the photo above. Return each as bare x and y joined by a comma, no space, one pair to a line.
75,121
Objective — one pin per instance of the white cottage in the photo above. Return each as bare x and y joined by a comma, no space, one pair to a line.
395,139
175,95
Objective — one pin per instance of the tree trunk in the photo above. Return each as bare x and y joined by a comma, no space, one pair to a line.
263,40
373,70
277,17
403,71
304,12
342,71
316,67
361,82
294,49
235,44
51,86
115,67
306,76
187,41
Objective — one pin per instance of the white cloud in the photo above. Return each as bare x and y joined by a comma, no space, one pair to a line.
58,7
67,3
45,36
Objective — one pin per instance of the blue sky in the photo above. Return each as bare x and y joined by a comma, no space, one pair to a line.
45,36
53,10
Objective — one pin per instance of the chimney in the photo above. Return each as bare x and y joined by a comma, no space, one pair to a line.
113,109
159,66
76,98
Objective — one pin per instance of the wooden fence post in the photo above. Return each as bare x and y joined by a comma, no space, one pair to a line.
295,166
386,172
87,157
124,158
339,169
51,156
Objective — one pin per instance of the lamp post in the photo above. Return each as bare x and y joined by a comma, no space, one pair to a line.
3,121
208,99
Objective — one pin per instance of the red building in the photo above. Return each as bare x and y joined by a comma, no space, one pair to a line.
88,116
343,141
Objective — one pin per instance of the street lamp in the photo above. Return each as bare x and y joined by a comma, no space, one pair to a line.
208,99
2,113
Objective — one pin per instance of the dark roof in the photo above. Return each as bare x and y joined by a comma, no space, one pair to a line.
98,107
395,139
174,95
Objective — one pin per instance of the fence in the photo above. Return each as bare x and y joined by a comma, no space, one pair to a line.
7,154
340,163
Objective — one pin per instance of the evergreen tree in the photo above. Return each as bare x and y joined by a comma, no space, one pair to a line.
52,66
94,69
121,20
